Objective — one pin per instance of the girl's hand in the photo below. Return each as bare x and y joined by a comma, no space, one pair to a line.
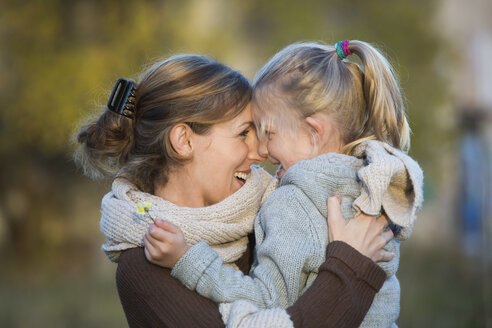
365,233
164,244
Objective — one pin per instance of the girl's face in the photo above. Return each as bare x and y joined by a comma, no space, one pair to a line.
285,148
222,158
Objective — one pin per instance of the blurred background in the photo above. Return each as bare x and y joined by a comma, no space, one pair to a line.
60,59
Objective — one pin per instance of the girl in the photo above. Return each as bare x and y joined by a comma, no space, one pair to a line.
182,138
334,127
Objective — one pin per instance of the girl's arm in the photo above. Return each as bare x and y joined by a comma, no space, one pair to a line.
289,251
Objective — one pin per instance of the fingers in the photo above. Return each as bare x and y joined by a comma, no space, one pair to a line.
382,220
159,233
385,256
152,244
168,226
149,249
387,236
334,209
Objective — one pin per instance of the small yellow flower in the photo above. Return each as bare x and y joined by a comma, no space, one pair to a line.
140,210
144,208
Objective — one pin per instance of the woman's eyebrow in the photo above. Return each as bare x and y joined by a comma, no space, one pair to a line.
246,124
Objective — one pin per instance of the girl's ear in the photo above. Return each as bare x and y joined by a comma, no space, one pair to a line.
180,137
316,124
326,132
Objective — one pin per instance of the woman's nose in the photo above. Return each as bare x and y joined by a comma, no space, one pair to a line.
255,153
262,148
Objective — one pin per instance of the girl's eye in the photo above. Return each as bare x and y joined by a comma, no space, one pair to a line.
268,134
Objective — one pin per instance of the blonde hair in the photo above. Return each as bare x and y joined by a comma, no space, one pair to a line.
307,78
190,89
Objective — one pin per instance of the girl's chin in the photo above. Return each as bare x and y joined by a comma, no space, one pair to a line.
280,172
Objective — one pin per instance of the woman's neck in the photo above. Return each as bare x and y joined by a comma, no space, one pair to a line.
181,190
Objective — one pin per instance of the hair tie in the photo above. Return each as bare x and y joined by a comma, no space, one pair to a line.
342,49
122,99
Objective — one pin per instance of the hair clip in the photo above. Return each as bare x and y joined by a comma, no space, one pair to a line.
122,99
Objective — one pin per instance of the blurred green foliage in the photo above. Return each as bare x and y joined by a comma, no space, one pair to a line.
59,58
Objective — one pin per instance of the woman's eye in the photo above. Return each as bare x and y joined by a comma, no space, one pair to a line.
244,133
268,134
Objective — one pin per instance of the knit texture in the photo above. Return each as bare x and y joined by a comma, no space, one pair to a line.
224,226
244,314
291,231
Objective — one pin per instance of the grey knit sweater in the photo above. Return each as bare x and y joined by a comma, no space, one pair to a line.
291,230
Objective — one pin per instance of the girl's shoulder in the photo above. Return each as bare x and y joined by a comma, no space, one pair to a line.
288,203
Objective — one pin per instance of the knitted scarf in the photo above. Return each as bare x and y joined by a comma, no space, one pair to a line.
224,226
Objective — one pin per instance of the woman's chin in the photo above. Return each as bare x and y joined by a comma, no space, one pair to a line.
238,183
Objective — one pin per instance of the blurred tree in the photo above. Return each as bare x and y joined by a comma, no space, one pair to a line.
59,60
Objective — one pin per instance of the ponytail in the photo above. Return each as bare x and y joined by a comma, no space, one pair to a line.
385,118
104,145
308,78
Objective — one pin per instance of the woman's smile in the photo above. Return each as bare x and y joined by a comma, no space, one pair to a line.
241,176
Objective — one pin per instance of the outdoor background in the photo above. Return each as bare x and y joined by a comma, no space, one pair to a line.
60,59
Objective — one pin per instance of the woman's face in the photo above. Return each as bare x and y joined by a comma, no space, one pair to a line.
222,158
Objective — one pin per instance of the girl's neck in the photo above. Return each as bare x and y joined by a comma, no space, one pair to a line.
180,190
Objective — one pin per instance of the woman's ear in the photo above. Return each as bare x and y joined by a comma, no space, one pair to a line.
180,137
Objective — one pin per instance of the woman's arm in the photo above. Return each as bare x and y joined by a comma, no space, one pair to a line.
342,293
152,298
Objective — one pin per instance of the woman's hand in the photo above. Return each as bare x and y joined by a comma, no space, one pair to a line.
164,244
365,233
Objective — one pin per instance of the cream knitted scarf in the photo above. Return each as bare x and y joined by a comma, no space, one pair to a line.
224,226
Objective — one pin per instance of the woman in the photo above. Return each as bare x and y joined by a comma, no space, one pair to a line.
185,142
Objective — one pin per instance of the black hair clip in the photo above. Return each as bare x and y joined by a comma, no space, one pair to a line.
122,99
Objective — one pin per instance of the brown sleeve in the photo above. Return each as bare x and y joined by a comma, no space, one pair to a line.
152,298
342,293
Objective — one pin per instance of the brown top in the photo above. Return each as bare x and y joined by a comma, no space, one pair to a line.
339,297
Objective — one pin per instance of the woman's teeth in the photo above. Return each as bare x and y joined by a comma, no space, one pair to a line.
241,175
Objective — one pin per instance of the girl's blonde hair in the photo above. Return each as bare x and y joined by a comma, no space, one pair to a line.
190,89
306,78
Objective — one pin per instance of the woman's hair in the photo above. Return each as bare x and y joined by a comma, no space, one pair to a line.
190,89
307,78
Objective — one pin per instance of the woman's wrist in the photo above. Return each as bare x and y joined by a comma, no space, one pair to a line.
362,266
